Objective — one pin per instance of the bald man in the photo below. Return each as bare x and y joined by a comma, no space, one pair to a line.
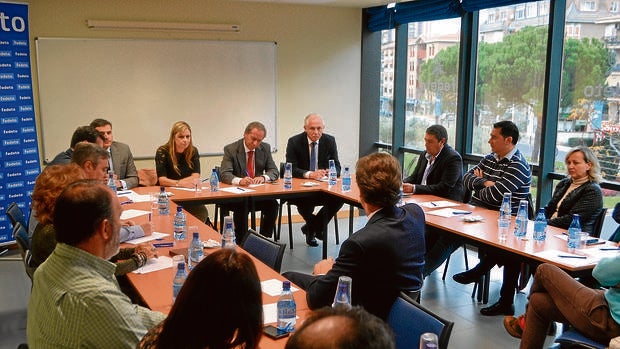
329,328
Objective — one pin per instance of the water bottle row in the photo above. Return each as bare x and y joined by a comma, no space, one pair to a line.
540,224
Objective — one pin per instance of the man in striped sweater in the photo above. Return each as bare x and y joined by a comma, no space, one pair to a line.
504,170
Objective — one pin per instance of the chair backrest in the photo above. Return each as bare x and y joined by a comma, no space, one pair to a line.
597,226
20,234
574,339
267,251
16,214
409,320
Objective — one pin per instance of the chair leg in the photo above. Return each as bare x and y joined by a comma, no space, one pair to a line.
217,212
465,255
279,229
336,229
351,213
445,269
290,226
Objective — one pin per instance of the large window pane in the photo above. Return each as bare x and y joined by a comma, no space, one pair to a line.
388,51
511,73
432,71
590,91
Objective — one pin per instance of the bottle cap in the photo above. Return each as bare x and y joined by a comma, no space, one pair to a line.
195,235
181,265
286,285
179,208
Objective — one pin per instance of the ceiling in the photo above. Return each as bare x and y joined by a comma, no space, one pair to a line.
334,3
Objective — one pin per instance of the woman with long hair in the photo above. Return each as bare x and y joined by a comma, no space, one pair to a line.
220,306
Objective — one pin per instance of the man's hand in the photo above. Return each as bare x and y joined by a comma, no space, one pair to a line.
318,174
322,267
407,188
149,250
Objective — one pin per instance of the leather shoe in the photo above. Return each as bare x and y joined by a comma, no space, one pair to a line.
467,277
310,240
498,309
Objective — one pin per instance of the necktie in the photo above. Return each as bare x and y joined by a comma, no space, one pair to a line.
427,170
251,163
110,160
313,156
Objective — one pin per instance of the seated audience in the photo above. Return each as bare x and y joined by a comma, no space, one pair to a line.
200,318
48,185
309,153
383,258
439,171
556,296
81,134
121,159
178,164
329,328
248,161
76,301
93,161
578,193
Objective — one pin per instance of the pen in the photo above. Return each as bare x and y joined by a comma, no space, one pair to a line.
163,244
609,248
239,188
204,180
461,212
124,192
434,204
571,256
127,202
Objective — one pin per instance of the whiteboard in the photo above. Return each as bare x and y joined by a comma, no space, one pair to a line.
143,86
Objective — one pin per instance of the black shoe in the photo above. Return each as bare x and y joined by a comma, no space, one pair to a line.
467,277
310,240
498,309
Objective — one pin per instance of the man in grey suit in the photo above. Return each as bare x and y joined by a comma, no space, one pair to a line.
121,159
248,161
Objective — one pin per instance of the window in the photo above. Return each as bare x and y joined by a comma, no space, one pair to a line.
588,5
510,82
432,85
520,12
613,7
531,10
387,85
589,108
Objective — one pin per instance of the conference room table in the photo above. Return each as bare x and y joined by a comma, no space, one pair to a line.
155,288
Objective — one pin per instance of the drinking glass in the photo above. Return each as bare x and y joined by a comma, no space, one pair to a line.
503,226
197,185
428,340
583,238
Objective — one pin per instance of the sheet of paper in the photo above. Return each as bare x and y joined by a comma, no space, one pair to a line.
596,252
443,212
237,190
188,189
554,255
270,313
155,264
131,213
273,287
438,204
153,236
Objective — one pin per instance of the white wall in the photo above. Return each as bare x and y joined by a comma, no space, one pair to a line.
319,52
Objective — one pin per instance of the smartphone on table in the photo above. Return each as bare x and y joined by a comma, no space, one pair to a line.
273,332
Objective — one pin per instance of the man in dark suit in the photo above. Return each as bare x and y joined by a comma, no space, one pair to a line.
81,134
309,152
383,258
248,161
121,159
439,170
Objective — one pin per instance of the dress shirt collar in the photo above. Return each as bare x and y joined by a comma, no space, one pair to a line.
310,141
507,156
428,156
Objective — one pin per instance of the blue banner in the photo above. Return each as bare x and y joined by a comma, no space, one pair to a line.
19,156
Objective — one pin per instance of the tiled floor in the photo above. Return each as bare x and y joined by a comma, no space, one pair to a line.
449,299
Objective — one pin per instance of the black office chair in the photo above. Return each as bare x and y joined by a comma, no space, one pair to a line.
20,234
16,214
409,320
597,226
290,221
267,251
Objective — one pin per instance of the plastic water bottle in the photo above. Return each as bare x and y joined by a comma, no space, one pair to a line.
346,180
521,221
540,226
228,236
288,176
332,174
111,182
179,280
342,298
180,225
195,252
287,309
162,202
505,210
574,229
214,181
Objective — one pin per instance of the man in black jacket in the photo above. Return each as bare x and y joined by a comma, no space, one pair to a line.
309,152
